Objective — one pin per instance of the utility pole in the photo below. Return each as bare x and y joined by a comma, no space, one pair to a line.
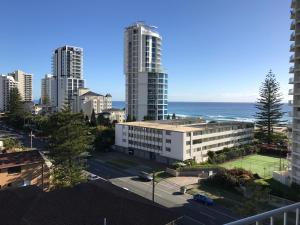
31,140
153,186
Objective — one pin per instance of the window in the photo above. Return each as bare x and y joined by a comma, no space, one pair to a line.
168,141
15,169
188,143
168,132
188,134
168,149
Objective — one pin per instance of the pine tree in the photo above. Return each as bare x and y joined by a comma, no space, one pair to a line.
93,118
15,104
269,107
69,139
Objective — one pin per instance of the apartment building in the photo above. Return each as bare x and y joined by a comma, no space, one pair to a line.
24,84
87,101
23,168
146,81
295,92
46,88
166,141
114,115
67,66
6,84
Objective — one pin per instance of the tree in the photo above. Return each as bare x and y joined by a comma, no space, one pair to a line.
269,107
15,105
104,138
168,117
101,120
174,116
46,100
69,140
12,144
93,119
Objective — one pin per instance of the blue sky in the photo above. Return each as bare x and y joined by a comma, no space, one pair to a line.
214,50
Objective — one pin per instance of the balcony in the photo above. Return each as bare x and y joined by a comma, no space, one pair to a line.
291,91
293,4
293,13
290,102
290,114
291,69
288,213
291,80
293,25
292,47
292,37
292,58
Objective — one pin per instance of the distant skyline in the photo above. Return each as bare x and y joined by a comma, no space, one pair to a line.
213,50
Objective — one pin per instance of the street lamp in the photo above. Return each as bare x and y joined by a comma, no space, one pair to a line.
31,135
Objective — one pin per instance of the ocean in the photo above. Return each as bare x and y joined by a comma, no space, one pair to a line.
214,110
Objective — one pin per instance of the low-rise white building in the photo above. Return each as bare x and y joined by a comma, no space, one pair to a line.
114,115
87,101
166,141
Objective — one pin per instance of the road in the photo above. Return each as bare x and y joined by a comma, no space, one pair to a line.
24,138
166,194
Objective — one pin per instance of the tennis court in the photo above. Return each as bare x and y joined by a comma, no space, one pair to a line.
260,164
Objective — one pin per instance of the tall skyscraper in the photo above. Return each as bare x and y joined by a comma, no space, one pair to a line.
67,65
146,82
295,80
24,84
46,87
6,84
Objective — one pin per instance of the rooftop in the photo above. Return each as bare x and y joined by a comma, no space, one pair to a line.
185,126
84,204
8,160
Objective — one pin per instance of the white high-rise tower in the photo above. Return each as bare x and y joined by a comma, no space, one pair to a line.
67,68
146,82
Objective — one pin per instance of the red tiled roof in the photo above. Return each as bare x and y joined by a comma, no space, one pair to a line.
8,160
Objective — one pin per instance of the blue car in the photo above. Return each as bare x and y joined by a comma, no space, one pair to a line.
203,199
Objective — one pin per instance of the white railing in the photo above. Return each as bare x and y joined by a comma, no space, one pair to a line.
270,215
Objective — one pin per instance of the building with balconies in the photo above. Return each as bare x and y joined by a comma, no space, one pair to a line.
295,92
172,140
146,81
67,66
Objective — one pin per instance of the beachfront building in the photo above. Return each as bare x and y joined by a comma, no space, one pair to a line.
146,81
295,92
67,63
167,141
88,101
114,115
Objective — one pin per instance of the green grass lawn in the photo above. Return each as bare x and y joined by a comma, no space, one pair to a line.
260,164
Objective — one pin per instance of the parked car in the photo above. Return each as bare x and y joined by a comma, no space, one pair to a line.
203,199
183,189
145,176
92,177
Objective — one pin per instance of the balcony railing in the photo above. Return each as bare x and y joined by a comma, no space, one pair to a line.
292,47
291,91
292,58
270,215
293,14
292,37
290,102
291,69
293,25
291,80
293,4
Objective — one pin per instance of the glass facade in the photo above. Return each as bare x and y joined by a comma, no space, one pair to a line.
157,96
